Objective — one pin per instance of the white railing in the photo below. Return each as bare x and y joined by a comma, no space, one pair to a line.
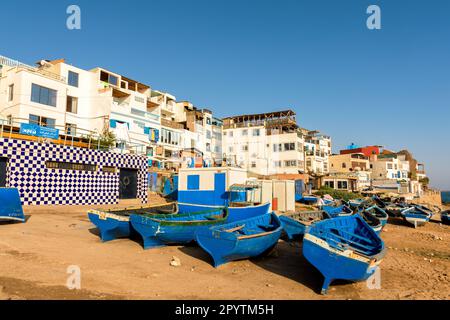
75,137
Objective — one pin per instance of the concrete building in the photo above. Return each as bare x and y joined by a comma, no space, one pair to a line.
317,150
264,144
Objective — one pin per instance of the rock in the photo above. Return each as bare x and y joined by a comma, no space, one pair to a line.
269,285
193,268
176,262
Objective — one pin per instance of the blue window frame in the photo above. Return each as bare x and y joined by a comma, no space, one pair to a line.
43,95
73,79
193,182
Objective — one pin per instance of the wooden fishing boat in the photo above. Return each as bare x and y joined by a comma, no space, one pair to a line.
371,220
343,248
235,213
416,216
115,223
295,224
338,211
176,229
445,217
10,205
240,240
309,199
378,213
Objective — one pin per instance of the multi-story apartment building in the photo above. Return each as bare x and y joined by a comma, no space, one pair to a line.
83,103
265,144
389,167
54,95
317,151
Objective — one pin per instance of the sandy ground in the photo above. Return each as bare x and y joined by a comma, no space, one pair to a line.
34,258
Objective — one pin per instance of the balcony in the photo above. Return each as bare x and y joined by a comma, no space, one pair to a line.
172,124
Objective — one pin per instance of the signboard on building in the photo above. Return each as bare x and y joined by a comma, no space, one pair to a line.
31,129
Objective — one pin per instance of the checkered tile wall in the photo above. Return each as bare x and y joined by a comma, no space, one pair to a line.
39,185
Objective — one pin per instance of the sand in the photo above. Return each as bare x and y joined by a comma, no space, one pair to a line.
34,258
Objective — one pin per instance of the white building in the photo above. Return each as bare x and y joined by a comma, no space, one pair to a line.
264,144
317,151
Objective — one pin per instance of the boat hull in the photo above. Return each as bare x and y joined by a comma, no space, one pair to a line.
234,213
445,218
333,264
224,246
295,228
112,225
160,232
344,248
11,205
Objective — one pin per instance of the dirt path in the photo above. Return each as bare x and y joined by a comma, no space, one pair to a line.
34,258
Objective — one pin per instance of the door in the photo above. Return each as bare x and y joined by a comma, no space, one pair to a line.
128,184
3,169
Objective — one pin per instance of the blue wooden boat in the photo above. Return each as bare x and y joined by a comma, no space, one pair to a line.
445,217
114,224
295,224
371,220
11,205
338,211
343,248
378,213
240,240
309,199
176,229
234,213
416,216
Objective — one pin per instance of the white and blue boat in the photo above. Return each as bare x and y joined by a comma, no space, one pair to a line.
338,211
416,216
176,229
113,224
378,213
11,205
295,224
343,248
240,240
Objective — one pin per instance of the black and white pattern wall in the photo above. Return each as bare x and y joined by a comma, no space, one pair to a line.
27,170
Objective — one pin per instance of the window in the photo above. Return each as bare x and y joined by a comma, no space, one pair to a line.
343,185
208,134
290,163
253,164
245,148
109,78
42,121
256,132
230,133
73,79
193,182
72,104
208,147
71,129
277,147
277,164
9,119
329,184
139,99
137,112
289,146
344,165
230,149
70,166
389,166
208,120
216,149
245,132
11,93
43,95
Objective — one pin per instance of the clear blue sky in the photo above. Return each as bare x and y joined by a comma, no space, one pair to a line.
389,87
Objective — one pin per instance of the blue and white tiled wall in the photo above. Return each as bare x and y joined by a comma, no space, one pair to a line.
39,185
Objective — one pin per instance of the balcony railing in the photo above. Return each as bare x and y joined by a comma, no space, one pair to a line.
4,61
171,124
